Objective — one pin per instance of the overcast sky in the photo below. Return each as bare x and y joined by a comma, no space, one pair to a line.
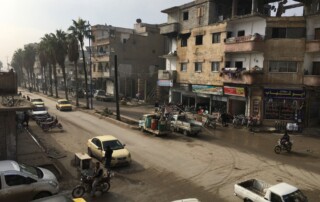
26,21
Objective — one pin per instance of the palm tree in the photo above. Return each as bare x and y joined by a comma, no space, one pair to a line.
61,52
17,64
73,55
29,60
80,29
43,63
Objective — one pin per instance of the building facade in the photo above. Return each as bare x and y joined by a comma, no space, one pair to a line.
235,57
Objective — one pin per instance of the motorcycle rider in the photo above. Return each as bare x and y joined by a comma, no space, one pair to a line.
285,139
97,176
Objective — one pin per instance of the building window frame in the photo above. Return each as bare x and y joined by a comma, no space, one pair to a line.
198,66
184,42
183,67
283,66
185,15
215,66
199,40
216,37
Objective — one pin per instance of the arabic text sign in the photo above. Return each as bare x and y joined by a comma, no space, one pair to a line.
236,91
215,90
165,83
283,93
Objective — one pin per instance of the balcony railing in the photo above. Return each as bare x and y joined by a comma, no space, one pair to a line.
167,75
311,80
251,43
172,28
312,44
242,75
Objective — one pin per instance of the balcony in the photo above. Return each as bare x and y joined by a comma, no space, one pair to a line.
170,29
8,83
251,43
101,74
311,80
170,55
241,75
313,46
167,75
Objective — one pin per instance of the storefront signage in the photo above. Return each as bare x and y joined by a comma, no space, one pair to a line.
282,93
214,90
167,83
235,91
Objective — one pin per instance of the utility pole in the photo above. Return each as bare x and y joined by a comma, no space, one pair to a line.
116,86
91,93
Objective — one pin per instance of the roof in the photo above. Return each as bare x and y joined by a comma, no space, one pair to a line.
283,189
61,100
8,165
106,137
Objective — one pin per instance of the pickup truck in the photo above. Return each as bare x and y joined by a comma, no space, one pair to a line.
155,124
181,123
260,191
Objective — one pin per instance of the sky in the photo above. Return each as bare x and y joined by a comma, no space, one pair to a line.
26,21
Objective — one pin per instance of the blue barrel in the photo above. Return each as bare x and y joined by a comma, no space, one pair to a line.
162,126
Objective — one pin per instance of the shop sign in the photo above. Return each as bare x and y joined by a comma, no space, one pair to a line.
283,93
214,90
167,83
235,91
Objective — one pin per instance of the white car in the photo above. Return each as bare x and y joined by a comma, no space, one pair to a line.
38,111
19,182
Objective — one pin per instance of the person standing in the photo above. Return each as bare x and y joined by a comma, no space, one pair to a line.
108,157
26,119
97,175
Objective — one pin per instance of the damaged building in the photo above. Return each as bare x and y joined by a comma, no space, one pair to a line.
245,57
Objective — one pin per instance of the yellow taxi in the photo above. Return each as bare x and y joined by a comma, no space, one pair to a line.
98,145
64,105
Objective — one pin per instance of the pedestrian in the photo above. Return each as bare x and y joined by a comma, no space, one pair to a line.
108,157
138,96
26,119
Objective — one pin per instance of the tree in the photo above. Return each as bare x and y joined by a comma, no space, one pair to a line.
17,64
73,55
61,53
43,63
80,29
28,61
1,65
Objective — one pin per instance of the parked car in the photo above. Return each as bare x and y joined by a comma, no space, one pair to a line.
38,102
59,198
63,105
98,145
36,111
20,182
101,95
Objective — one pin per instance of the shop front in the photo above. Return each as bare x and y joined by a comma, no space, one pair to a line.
237,101
284,104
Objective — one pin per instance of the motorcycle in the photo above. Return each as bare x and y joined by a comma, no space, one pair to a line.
45,119
210,122
46,126
287,146
86,184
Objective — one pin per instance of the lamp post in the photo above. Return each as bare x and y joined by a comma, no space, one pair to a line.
116,86
91,103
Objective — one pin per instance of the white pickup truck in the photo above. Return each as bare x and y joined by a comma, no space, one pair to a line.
256,190
181,123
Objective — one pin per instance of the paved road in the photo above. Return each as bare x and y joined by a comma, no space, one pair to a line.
206,167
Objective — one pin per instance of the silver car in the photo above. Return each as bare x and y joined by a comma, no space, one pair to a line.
19,182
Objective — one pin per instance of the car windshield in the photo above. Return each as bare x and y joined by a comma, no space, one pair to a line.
31,170
39,109
114,144
296,196
64,102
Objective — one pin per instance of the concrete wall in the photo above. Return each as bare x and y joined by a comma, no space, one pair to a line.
249,25
8,139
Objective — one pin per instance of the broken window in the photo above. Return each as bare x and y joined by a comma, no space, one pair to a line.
199,39
198,66
184,39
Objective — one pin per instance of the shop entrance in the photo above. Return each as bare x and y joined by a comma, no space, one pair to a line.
237,107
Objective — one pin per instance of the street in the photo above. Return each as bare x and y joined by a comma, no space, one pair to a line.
175,167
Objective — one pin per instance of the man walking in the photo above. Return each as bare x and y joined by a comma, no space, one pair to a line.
108,157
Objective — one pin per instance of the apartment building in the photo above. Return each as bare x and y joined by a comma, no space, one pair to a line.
235,57
136,52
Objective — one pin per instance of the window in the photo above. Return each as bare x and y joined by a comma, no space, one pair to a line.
199,39
185,15
291,33
215,66
317,34
241,33
124,40
279,33
14,180
216,37
275,198
239,65
228,64
183,67
199,12
184,42
316,68
198,67
282,66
